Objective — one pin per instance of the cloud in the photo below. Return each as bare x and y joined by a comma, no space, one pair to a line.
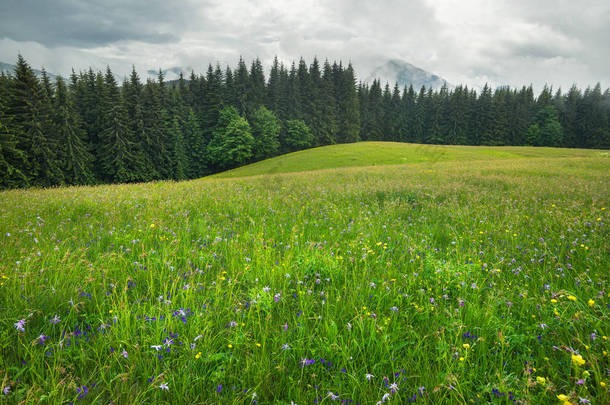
515,42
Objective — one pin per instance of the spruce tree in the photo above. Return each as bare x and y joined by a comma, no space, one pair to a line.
74,154
30,108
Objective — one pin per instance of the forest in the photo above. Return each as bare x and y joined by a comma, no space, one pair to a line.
91,129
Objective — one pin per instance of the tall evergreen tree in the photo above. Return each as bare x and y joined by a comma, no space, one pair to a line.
75,157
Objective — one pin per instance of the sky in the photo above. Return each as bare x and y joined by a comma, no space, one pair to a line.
472,42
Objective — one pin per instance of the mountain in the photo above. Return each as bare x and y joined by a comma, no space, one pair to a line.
405,74
9,69
169,74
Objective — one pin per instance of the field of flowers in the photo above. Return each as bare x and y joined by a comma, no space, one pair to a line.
450,282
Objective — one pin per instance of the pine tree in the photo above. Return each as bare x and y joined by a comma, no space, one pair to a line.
118,151
179,162
12,159
75,156
348,110
30,107
195,145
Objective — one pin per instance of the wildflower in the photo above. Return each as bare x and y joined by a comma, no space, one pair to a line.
55,320
164,386
198,355
285,346
580,381
82,391
333,396
591,302
219,388
349,326
394,309
577,359
541,380
230,346
369,376
6,390
277,297
543,325
562,397
266,288
124,353
466,346
583,400
385,397
19,325
603,384
156,347
394,387
571,298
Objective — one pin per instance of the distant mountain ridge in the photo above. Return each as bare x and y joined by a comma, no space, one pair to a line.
405,74
9,69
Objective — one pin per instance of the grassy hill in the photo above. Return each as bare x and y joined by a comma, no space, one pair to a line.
392,153
479,280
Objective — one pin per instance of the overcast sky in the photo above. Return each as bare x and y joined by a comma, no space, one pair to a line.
515,42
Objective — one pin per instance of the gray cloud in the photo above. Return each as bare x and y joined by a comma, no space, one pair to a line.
93,23
515,42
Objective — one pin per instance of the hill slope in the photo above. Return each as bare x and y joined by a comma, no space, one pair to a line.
390,153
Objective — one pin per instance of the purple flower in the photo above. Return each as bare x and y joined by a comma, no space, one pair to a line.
394,309
82,391
277,297
55,320
583,400
285,346
333,396
6,390
266,288
124,353
580,382
42,338
19,325
164,386
219,388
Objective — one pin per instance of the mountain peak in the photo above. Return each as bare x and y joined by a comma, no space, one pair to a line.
406,74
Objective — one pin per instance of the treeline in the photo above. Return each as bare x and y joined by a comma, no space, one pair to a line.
90,130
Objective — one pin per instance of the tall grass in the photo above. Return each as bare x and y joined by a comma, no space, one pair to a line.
470,281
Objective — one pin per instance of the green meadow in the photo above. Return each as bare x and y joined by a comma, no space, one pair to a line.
350,274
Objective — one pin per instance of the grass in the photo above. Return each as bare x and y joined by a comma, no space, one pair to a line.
475,281
392,153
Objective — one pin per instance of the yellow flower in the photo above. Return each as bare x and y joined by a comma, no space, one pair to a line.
603,384
541,380
230,346
461,359
562,397
577,359
591,303
554,301
571,298
152,225
198,355
466,346
258,345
